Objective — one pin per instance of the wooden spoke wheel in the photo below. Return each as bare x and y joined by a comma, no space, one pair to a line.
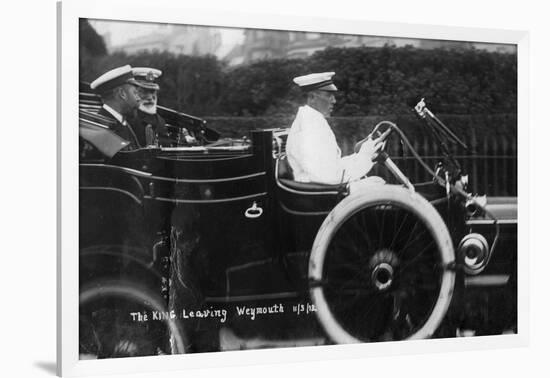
107,328
380,267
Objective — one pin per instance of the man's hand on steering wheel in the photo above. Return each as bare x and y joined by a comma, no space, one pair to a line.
371,147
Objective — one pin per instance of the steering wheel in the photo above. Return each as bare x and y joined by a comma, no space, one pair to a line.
379,136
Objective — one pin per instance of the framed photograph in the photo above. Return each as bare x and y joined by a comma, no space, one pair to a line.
295,188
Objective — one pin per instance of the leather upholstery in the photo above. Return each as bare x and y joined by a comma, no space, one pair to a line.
285,177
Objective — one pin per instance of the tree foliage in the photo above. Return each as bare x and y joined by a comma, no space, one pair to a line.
90,42
263,88
371,81
91,46
389,80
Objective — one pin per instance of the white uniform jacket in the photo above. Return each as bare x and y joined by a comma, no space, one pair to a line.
314,155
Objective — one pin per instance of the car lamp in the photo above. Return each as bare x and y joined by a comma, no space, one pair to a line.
474,252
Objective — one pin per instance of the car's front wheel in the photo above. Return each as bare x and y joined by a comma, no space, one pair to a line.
381,267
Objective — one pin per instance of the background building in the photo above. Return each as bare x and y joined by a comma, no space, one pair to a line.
238,46
271,44
177,39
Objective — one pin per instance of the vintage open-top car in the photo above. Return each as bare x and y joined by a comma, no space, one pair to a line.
214,246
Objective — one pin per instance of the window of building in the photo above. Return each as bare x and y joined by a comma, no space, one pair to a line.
313,35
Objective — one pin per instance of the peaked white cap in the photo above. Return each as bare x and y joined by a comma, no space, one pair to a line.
145,77
321,81
113,78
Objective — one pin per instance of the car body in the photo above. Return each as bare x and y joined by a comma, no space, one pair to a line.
222,247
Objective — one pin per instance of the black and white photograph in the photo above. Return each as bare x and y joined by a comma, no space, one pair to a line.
246,188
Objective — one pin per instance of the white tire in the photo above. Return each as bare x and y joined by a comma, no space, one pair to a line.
379,267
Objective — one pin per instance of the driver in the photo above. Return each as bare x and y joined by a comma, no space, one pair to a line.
312,151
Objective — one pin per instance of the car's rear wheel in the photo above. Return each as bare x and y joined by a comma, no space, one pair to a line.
109,324
381,267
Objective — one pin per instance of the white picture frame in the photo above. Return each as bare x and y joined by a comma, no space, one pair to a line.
169,12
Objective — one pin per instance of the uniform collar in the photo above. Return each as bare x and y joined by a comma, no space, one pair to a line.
114,113
315,111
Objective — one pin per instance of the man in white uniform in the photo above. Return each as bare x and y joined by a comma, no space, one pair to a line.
311,146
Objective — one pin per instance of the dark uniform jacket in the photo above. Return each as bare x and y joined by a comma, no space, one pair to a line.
150,128
101,135
125,131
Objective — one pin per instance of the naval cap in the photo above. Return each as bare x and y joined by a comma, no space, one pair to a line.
113,78
145,77
321,81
